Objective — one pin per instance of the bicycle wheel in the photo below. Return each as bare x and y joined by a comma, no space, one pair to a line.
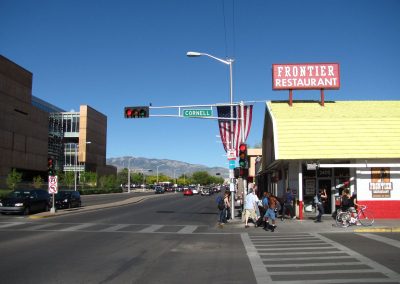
365,218
343,219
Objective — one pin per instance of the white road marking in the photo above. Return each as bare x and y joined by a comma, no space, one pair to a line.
381,239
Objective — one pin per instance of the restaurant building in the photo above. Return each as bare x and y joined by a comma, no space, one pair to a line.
308,146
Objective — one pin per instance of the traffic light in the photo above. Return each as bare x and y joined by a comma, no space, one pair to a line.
136,112
50,167
243,155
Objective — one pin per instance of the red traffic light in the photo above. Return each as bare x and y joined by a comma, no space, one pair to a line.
243,155
136,112
242,147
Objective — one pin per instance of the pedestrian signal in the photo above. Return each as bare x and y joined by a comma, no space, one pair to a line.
136,112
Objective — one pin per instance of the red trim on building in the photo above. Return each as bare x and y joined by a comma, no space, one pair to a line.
383,209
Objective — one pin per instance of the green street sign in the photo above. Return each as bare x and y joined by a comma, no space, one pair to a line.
197,112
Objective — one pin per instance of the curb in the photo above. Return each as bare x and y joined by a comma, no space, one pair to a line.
378,230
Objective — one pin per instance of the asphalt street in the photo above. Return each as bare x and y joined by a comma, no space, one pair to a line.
175,239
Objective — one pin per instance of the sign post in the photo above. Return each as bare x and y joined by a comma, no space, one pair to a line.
53,189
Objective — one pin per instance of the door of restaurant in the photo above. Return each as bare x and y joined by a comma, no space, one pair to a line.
327,184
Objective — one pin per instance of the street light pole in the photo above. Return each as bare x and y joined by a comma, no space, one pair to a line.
157,171
129,175
76,159
230,63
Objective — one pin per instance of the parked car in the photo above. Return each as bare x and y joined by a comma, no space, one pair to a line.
67,199
25,201
187,192
195,190
159,189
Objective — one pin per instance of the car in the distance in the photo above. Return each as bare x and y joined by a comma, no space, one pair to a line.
206,191
67,199
159,189
25,201
187,191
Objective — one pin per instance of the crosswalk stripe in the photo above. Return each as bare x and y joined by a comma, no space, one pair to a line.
77,227
41,226
381,239
114,228
151,229
187,230
8,225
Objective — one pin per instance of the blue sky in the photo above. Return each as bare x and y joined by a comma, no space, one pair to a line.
111,54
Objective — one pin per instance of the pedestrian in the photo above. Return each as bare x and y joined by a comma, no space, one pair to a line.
221,208
288,204
271,212
227,205
265,205
319,200
250,208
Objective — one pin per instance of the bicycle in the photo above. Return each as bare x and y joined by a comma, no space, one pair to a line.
345,219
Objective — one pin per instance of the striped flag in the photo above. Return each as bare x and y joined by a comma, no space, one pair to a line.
230,133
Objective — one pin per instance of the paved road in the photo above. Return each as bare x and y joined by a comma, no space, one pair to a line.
174,239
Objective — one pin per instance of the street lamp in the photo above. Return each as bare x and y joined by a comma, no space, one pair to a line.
230,63
129,175
157,171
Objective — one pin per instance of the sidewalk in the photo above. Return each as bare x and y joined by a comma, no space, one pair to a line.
308,225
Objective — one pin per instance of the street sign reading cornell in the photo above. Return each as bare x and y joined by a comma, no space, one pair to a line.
197,112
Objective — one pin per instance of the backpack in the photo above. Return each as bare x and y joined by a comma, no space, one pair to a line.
272,202
315,201
220,202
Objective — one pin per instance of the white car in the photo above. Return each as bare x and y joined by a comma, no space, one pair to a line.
195,190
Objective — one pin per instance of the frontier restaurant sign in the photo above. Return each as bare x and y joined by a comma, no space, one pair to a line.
305,76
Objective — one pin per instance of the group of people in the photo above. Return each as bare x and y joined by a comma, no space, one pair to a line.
265,210
348,202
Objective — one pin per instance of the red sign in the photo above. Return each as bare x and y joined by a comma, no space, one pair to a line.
305,76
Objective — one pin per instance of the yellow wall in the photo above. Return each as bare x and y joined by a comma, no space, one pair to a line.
343,129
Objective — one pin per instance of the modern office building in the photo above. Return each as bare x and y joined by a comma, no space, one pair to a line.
33,131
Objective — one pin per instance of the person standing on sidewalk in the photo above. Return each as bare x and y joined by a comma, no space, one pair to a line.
227,203
288,204
319,199
250,208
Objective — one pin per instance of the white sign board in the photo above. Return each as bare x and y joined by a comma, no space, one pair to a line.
53,185
231,154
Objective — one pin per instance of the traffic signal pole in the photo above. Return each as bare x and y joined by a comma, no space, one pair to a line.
243,134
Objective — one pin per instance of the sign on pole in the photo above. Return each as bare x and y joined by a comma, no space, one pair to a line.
197,112
231,154
53,185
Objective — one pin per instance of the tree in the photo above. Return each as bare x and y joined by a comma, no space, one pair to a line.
88,178
67,178
13,179
108,182
37,182
201,177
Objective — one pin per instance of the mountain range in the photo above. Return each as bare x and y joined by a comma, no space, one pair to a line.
167,167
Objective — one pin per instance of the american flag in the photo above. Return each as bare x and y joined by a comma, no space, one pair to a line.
231,132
